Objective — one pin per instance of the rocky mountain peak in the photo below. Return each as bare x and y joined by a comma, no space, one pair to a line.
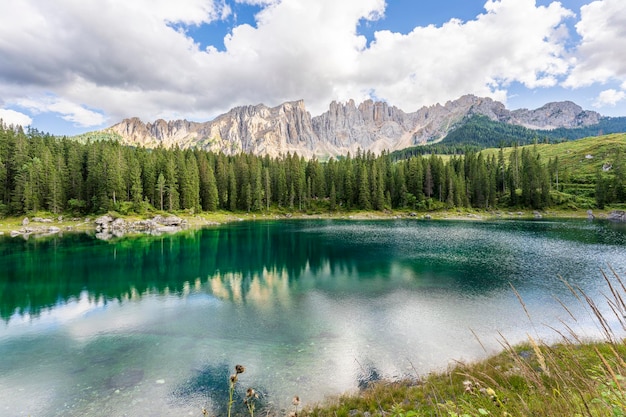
344,127
554,115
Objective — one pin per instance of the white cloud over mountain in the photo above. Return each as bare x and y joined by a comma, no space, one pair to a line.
600,56
11,117
95,61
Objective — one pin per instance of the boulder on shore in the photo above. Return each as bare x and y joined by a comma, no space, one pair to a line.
617,216
108,227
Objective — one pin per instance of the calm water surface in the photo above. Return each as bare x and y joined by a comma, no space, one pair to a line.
154,325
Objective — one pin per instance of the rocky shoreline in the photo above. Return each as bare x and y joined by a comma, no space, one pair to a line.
106,226
617,216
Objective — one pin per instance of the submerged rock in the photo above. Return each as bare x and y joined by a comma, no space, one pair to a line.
126,379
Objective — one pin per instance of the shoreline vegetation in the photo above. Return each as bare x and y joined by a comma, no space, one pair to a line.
49,223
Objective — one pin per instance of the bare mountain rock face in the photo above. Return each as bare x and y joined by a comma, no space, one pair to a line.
345,127
370,126
554,115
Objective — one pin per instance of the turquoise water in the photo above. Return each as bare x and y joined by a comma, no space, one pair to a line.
154,325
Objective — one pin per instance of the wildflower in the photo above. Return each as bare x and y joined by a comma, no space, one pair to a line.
233,378
469,387
204,412
240,369
251,393
296,401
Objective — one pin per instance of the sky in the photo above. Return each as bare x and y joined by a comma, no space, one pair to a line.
72,66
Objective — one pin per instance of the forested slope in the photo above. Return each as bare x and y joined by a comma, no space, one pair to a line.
39,172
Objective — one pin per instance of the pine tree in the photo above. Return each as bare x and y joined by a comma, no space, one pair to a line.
56,174
256,182
149,173
267,188
76,159
161,189
172,195
209,198
232,188
364,188
428,180
332,204
135,183
221,177
33,185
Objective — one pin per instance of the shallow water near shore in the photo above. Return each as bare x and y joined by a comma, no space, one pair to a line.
154,325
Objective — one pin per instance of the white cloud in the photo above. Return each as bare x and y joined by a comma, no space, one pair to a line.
600,55
513,41
609,98
11,117
68,111
126,58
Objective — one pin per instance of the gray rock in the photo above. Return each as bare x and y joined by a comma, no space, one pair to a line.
590,215
171,221
40,220
345,127
118,224
103,221
617,216
25,222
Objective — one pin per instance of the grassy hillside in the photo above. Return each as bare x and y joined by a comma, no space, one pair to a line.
584,156
579,164
97,136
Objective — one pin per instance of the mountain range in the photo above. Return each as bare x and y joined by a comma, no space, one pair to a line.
345,127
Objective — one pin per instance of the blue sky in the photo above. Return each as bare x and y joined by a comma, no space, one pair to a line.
72,67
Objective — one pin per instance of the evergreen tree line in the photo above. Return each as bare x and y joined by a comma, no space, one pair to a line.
39,172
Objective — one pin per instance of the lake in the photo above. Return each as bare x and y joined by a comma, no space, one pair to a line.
155,325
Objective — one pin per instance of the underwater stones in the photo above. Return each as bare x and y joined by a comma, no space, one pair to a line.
125,379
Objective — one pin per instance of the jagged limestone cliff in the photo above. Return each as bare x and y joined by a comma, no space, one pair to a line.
345,127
